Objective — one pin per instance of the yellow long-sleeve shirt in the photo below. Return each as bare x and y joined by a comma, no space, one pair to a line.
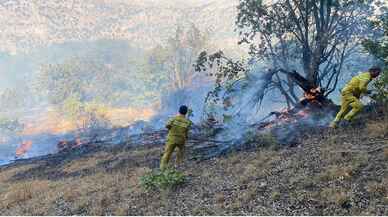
178,129
358,85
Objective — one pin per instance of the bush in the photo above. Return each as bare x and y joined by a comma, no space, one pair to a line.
86,115
95,116
381,89
162,180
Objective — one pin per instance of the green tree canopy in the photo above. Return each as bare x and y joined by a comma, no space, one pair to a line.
313,37
379,48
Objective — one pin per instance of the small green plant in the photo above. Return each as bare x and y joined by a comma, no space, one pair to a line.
275,195
381,89
162,179
227,118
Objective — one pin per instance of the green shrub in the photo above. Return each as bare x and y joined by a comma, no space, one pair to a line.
227,118
379,49
381,89
87,115
161,180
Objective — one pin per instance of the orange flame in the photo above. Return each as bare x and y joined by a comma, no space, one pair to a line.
312,94
23,148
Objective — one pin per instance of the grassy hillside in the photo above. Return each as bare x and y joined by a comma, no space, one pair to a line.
341,172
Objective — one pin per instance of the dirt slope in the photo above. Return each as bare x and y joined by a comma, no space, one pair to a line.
342,172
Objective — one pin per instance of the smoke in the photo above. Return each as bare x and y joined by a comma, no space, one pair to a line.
27,113
247,110
122,77
115,78
42,144
244,102
96,68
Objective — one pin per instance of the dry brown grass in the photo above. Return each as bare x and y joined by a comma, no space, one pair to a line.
23,191
342,167
385,152
331,155
220,198
307,182
377,129
236,205
121,211
8,173
234,158
247,168
248,195
85,163
336,196
335,139
203,211
378,188
359,160
99,194
336,172
143,152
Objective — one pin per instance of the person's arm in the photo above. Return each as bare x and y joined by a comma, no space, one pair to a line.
169,123
188,129
364,81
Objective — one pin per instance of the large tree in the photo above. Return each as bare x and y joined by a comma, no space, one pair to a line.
314,37
176,58
174,61
379,46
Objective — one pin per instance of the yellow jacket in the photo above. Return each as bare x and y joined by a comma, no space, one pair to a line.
178,129
358,85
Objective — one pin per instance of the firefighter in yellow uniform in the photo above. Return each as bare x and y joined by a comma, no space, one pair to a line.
178,129
351,93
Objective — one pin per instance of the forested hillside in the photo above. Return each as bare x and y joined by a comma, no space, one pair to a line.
30,24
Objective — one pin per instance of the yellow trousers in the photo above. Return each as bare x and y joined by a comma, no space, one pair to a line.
169,149
348,100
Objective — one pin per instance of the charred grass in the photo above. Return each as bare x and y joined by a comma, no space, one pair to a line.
339,172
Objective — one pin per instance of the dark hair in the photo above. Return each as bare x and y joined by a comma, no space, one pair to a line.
183,110
375,69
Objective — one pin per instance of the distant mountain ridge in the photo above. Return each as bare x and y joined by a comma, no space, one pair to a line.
26,24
